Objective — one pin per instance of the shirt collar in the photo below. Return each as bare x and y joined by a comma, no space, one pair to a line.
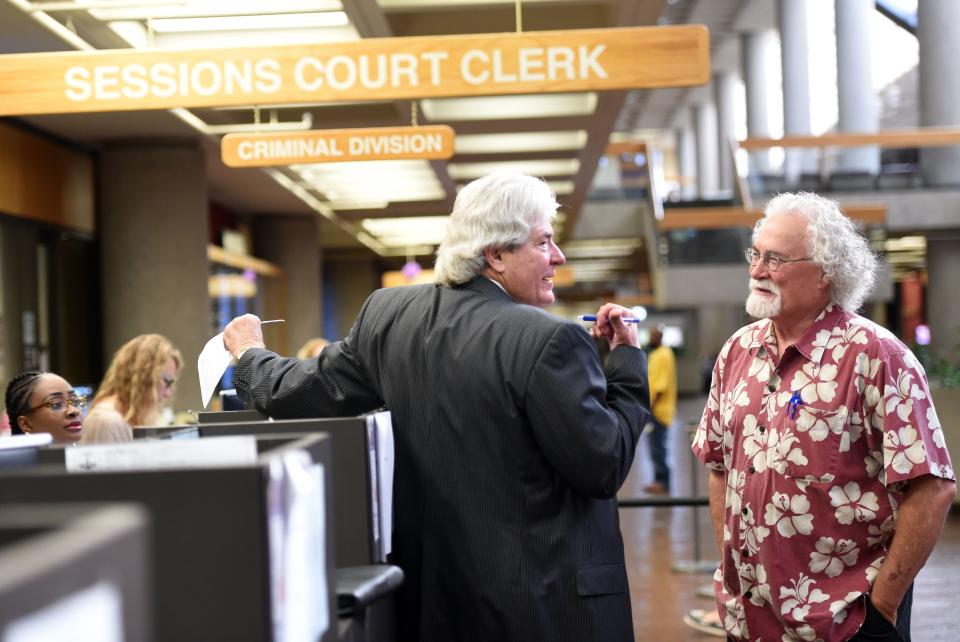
764,336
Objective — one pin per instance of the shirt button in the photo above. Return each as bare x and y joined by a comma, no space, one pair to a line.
772,388
745,552
745,511
748,594
762,428
752,470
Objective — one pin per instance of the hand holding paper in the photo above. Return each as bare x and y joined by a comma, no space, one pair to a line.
241,333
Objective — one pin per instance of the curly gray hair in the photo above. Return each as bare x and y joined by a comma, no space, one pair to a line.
835,243
496,211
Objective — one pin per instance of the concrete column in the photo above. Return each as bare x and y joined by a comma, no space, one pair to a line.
705,125
943,304
293,244
755,49
937,29
687,161
153,250
792,22
855,96
724,88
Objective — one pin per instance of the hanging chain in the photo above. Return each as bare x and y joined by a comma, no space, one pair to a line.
519,16
256,115
413,113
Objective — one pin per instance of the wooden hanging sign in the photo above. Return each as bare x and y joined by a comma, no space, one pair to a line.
336,145
368,69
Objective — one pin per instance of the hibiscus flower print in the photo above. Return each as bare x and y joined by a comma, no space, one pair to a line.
851,505
873,569
754,579
781,449
736,397
933,423
878,535
754,443
819,425
900,397
853,432
735,483
815,383
799,596
790,514
831,556
865,371
874,464
903,449
803,633
751,533
733,620
841,608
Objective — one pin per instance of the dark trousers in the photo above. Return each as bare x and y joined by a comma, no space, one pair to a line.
658,453
877,628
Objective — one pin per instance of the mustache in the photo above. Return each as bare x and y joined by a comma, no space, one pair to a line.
766,284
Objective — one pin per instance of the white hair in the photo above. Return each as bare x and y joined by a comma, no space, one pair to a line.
496,211
834,241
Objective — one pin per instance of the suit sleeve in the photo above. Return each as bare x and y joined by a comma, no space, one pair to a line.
334,384
587,421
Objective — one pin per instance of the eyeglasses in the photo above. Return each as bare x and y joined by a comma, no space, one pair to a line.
59,405
168,382
772,261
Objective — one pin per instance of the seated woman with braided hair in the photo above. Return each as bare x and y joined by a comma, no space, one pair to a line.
140,380
40,401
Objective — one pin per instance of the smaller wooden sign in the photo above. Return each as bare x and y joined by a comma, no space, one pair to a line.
336,146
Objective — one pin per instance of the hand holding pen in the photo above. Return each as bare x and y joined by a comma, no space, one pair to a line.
616,324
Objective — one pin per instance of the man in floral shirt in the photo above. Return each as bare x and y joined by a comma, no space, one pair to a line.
829,477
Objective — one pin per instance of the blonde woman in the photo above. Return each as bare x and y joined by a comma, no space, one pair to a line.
141,379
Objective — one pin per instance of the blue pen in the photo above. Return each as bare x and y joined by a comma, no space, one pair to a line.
593,317
794,405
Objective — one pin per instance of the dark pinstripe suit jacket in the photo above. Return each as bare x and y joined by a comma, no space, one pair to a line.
511,442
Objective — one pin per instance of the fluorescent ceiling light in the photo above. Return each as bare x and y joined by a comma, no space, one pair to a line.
500,107
520,142
144,10
426,4
598,249
905,243
251,22
562,187
400,232
389,180
555,167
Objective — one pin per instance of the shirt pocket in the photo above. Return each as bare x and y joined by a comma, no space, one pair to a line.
810,443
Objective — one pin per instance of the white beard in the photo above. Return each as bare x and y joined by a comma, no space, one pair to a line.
760,306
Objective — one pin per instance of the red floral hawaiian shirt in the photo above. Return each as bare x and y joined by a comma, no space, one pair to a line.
816,447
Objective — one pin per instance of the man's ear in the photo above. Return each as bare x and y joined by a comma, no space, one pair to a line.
24,425
494,257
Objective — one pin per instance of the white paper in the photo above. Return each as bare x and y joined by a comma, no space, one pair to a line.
211,364
298,560
384,435
33,440
209,452
92,614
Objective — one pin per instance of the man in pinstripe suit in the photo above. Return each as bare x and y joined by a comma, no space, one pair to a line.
511,437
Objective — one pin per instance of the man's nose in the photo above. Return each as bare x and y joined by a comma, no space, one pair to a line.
759,269
558,257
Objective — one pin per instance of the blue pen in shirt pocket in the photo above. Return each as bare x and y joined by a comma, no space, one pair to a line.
794,405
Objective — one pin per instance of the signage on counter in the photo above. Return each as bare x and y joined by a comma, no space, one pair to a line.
368,69
336,145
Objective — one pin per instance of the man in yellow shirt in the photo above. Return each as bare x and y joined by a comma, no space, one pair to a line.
662,371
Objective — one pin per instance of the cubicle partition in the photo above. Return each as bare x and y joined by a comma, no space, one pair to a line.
362,453
235,556
66,568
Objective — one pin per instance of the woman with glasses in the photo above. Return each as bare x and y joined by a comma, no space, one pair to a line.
44,402
140,381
